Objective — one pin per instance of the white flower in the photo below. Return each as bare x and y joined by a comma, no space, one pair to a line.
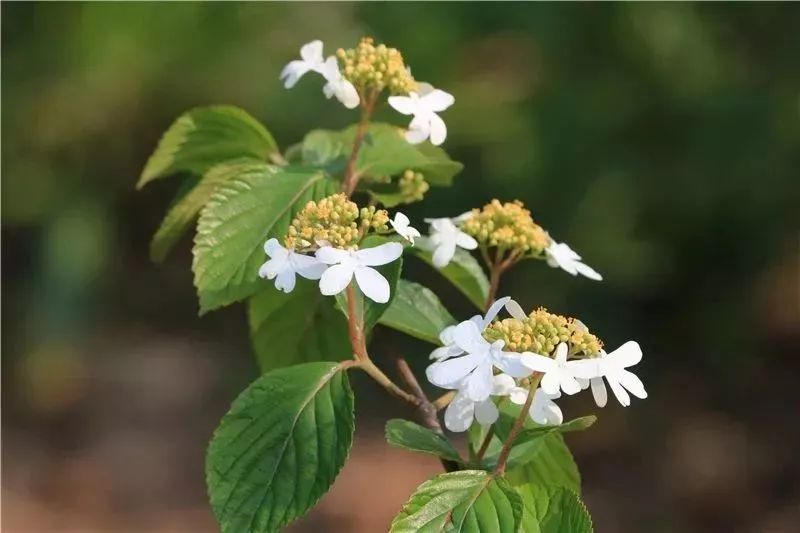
450,349
424,105
348,263
543,410
284,264
403,227
558,372
474,370
560,255
337,85
445,236
462,410
612,367
311,60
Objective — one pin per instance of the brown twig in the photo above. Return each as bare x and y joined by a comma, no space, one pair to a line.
350,176
426,408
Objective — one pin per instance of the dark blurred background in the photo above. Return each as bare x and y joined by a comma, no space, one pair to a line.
662,141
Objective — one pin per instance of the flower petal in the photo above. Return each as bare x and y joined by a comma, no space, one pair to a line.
512,364
307,266
599,391
330,255
438,130
312,52
585,368
588,272
444,253
438,100
626,355
494,309
569,384
292,73
446,373
465,241
502,385
400,220
380,255
335,279
273,247
479,382
561,353
630,381
468,337
486,412
285,280
539,363
373,284
406,105
347,94
515,310
458,415
550,382
620,393
518,395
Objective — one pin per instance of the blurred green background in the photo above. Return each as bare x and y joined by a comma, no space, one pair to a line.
662,141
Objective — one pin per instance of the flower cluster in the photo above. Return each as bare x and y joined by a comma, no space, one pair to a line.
509,230
371,67
483,357
412,186
541,332
508,226
367,70
323,243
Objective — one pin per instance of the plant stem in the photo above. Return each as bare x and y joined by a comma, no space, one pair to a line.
520,421
444,400
355,326
350,176
427,409
485,444
384,381
494,283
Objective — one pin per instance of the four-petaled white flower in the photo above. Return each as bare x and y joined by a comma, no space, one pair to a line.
560,255
310,61
612,367
450,349
284,264
445,236
474,370
337,85
348,263
462,410
402,225
543,409
424,105
558,372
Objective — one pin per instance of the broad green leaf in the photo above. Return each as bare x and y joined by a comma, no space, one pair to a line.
242,213
384,152
410,436
464,501
553,510
387,199
542,457
417,311
370,311
297,327
204,137
280,447
463,271
183,212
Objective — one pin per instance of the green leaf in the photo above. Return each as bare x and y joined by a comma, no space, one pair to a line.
464,501
417,311
553,510
463,271
545,460
297,327
183,212
204,137
242,213
280,447
384,152
410,436
369,310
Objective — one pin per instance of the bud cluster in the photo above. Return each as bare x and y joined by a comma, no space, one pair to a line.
331,220
412,186
374,219
506,225
376,67
541,332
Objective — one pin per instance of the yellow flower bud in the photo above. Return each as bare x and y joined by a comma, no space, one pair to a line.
508,225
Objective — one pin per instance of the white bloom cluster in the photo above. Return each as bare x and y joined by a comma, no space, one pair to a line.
422,104
478,370
335,268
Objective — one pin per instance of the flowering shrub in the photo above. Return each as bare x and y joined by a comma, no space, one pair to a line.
284,232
